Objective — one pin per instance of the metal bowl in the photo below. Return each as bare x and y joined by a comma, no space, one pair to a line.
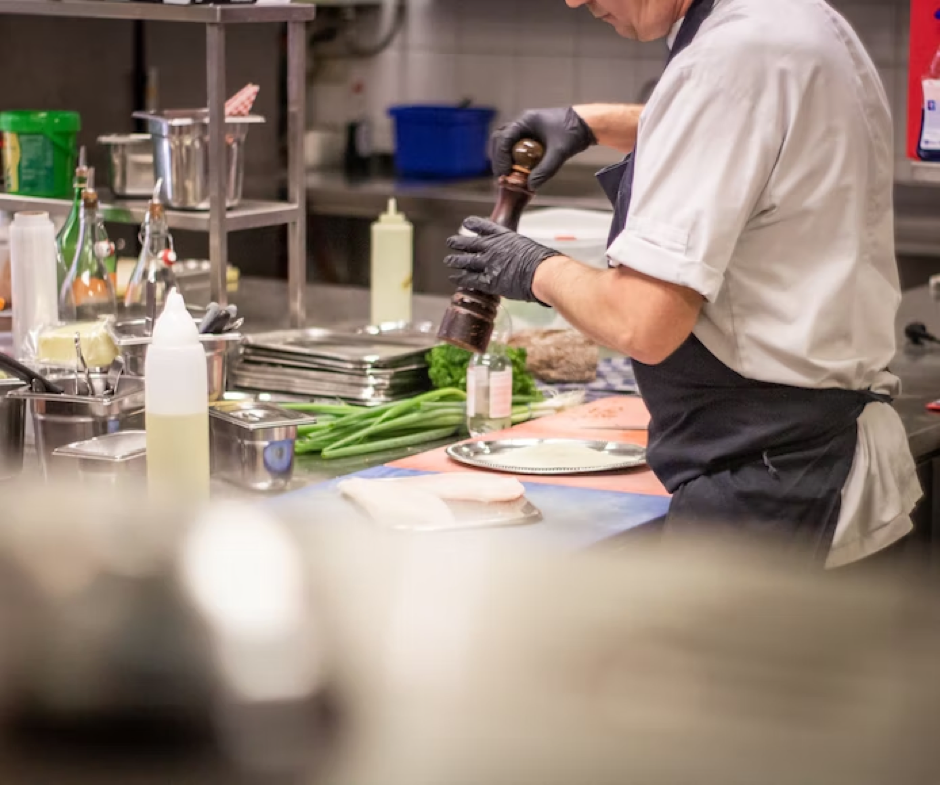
181,155
130,164
63,419
132,343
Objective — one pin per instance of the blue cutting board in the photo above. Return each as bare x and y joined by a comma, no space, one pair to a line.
573,518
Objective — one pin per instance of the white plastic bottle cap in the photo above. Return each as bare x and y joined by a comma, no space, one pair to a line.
392,214
30,218
175,326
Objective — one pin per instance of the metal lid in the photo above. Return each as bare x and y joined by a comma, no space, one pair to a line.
254,415
124,138
115,447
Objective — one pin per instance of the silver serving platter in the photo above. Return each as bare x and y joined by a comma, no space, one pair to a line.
498,455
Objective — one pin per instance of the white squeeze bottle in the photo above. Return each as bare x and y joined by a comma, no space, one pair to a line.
391,268
176,405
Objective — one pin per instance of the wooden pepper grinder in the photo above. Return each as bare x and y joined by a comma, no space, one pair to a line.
468,322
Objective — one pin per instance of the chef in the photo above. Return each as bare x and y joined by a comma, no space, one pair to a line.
752,275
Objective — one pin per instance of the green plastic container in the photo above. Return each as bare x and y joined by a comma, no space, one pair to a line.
39,152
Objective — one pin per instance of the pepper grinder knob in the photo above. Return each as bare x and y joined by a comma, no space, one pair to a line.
527,153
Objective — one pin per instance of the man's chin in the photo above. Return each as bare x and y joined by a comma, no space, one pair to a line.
624,30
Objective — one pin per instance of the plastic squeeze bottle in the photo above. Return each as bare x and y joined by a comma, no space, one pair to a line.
391,267
176,405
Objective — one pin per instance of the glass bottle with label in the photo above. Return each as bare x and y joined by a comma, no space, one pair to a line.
89,282
490,383
153,276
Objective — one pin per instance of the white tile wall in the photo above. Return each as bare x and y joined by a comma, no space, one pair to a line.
514,54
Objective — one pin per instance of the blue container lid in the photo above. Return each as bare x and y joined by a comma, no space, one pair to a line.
443,112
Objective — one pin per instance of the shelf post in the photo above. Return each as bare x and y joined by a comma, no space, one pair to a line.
216,97
297,189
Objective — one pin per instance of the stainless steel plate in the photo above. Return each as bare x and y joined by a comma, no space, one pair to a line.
498,455
356,350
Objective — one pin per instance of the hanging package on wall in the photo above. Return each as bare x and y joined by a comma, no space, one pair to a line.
924,100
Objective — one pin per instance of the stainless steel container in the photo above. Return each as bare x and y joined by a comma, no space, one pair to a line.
181,155
132,343
253,443
63,419
108,460
130,164
12,429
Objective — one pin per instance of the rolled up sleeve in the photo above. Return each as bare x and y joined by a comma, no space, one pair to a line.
706,148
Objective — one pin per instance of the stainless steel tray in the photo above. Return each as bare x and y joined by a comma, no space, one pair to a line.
341,349
498,455
413,378
287,360
244,377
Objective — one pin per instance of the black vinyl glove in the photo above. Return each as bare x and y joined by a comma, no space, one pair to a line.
496,261
561,131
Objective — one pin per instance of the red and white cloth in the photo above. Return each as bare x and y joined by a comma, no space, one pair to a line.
241,103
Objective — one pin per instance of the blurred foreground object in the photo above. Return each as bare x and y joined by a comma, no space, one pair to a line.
269,644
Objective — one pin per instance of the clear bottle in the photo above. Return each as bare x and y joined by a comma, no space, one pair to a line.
176,407
153,276
490,383
89,282
67,238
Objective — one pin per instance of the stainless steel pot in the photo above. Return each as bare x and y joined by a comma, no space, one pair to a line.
130,164
131,342
62,419
181,155
253,443
12,429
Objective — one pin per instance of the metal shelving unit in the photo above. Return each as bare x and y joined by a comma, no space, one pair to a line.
249,214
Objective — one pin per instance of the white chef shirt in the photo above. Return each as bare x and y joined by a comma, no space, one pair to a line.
764,182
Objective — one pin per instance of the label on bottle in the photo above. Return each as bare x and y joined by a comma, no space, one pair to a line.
471,403
501,394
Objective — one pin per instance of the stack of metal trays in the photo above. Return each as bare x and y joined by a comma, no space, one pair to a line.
362,364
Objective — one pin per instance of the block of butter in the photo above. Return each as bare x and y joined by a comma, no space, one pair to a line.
56,345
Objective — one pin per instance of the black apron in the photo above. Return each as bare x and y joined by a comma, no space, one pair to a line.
737,454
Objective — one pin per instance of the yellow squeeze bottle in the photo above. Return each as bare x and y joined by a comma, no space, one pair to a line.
391,267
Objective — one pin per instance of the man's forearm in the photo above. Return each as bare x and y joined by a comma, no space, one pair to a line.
614,125
639,316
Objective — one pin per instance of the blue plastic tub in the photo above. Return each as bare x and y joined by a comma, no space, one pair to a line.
441,141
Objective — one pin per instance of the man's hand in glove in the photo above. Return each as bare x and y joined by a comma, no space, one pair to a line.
561,131
496,261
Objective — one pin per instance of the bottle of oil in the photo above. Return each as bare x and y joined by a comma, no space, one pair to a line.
153,274
176,406
490,382
89,282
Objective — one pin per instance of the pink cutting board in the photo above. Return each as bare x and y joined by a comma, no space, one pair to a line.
602,419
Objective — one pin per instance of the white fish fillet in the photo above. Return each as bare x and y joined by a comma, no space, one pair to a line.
398,506
464,486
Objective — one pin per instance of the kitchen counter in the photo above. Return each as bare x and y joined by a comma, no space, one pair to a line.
332,193
261,302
